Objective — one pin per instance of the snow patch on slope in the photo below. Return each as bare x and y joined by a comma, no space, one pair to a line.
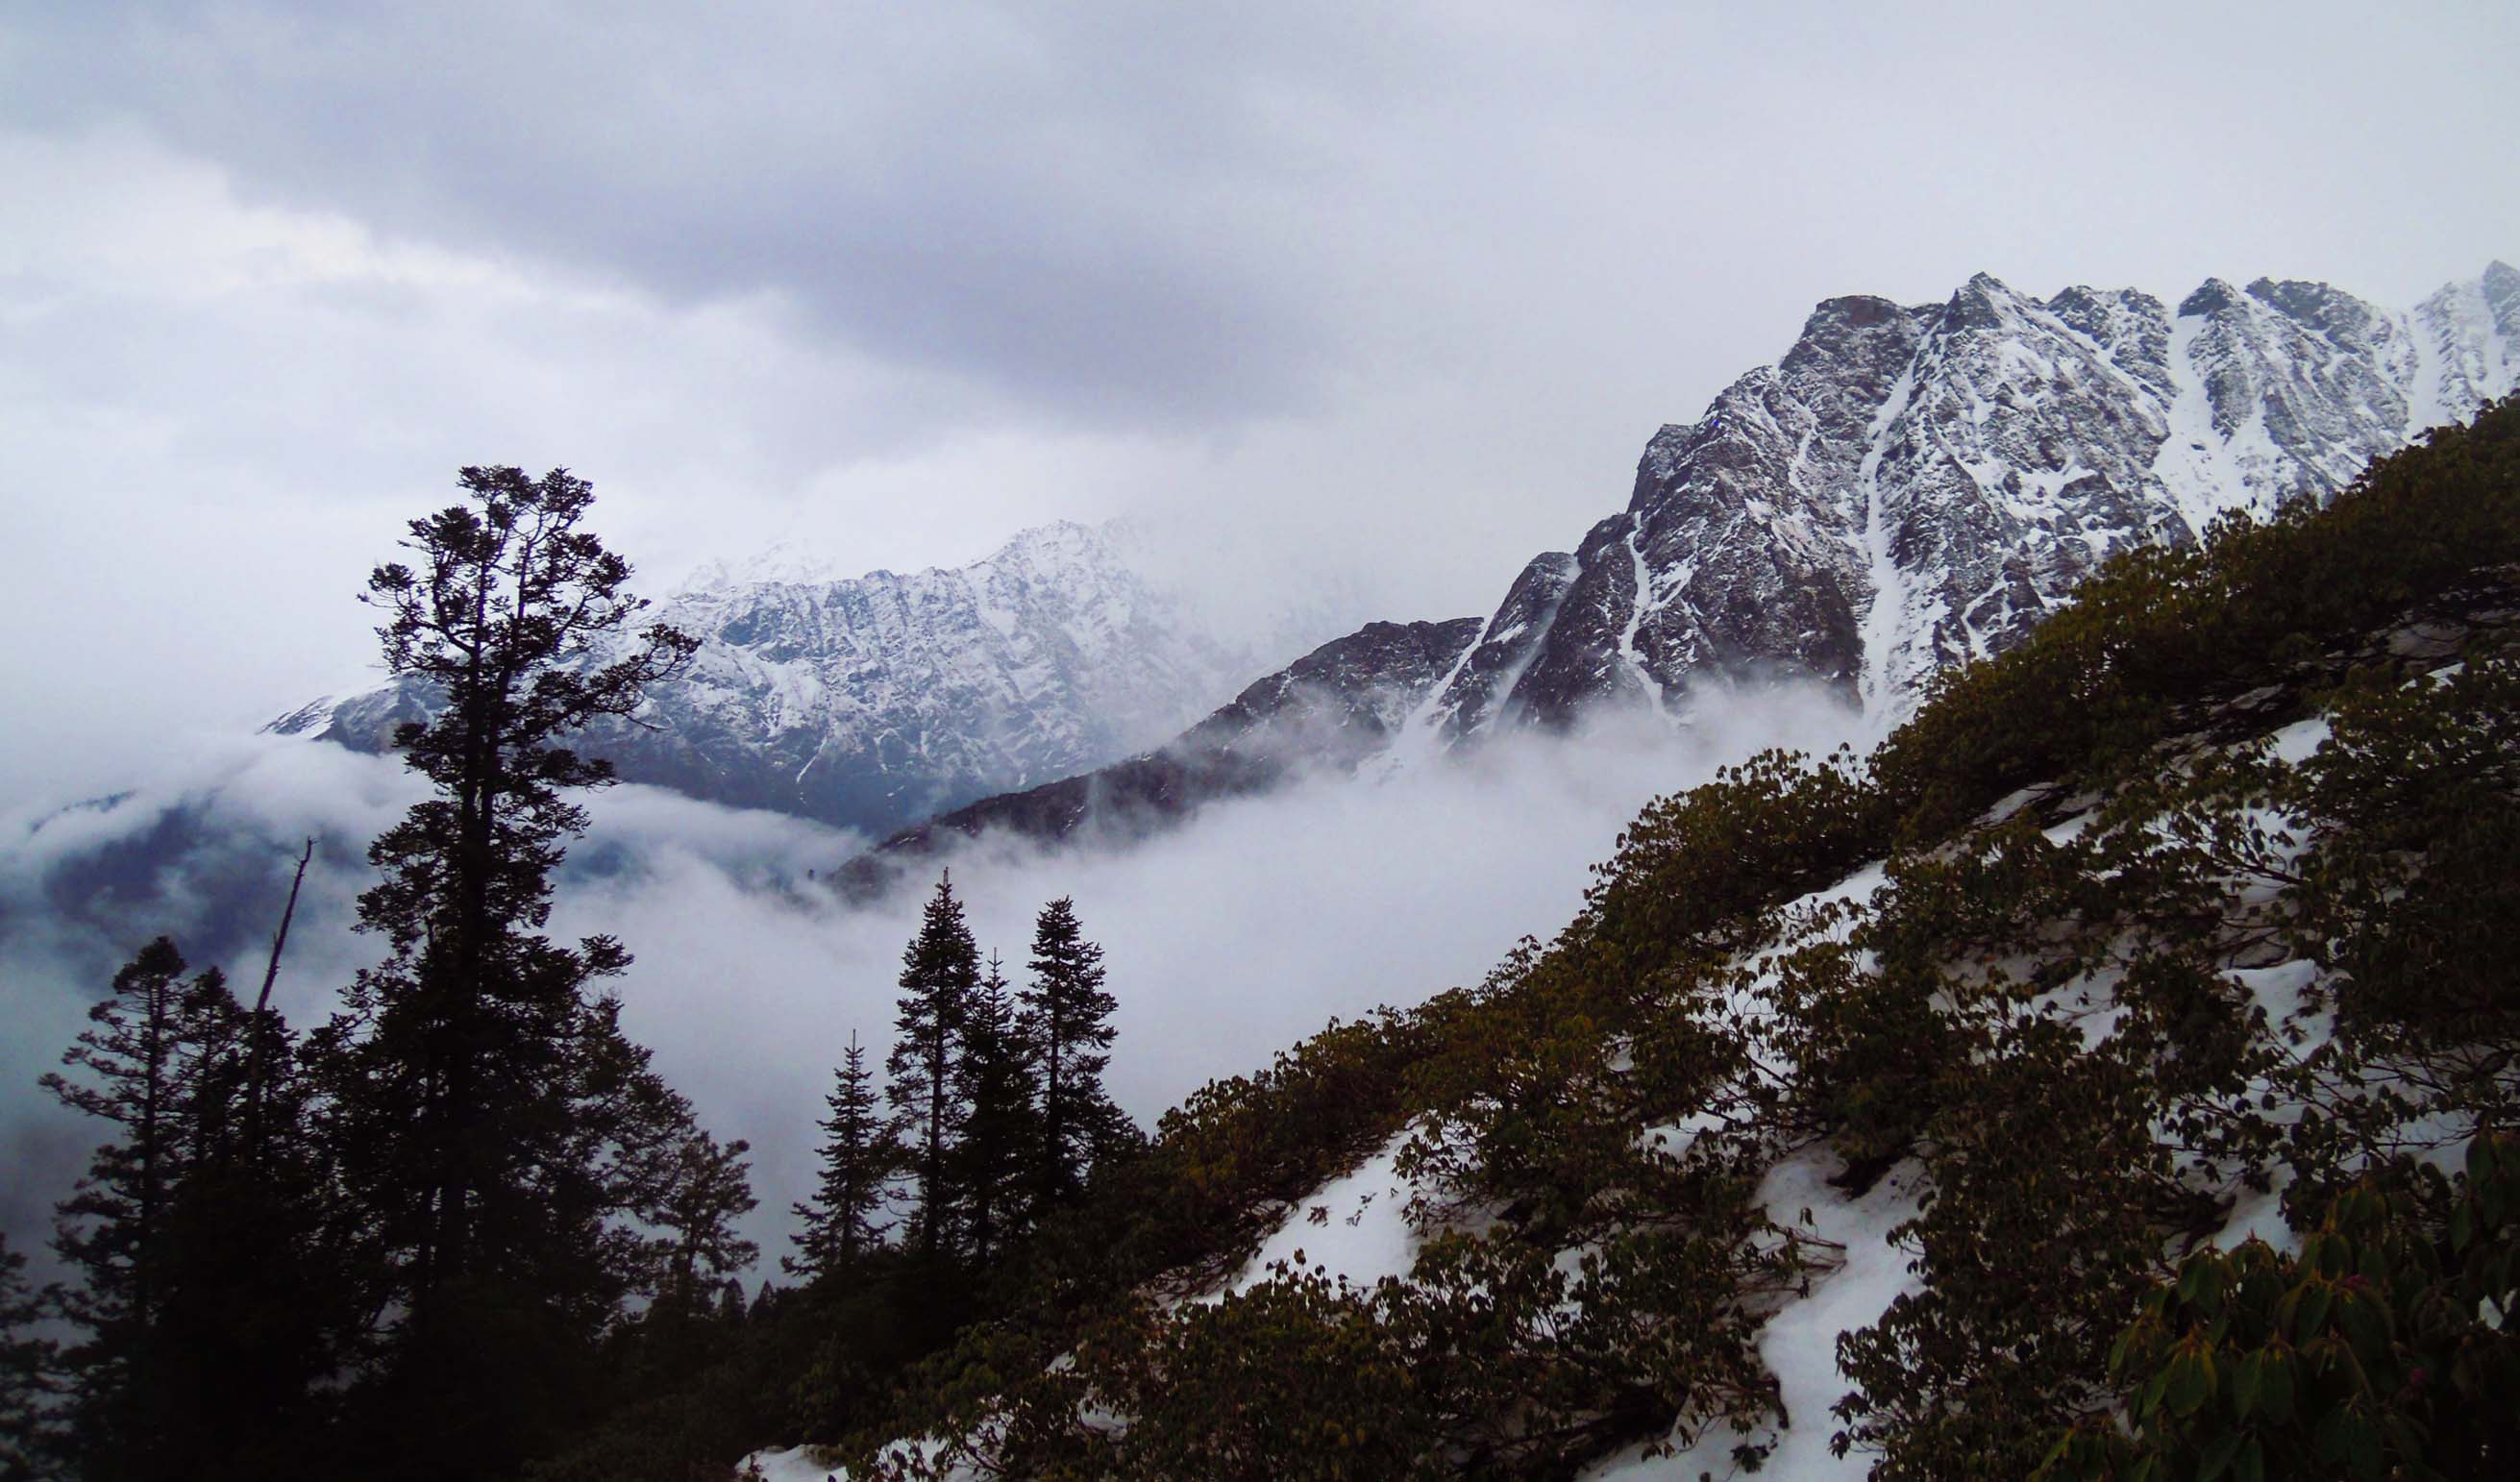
1354,1228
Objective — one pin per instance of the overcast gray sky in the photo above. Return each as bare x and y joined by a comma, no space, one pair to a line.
1399,288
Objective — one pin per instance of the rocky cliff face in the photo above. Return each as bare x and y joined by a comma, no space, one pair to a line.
878,700
1909,487
1913,486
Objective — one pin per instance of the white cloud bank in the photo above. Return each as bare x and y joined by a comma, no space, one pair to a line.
1226,939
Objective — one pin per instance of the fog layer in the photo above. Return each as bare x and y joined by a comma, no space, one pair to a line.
1226,939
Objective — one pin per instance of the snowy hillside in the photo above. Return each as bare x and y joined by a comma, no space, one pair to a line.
2136,1017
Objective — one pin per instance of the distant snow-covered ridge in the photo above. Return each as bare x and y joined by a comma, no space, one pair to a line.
877,701
1908,489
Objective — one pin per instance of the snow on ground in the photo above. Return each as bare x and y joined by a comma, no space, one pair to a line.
2296,743
797,1463
794,1464
1799,1344
1363,1233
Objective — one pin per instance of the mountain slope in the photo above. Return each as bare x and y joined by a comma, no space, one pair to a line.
1865,1106
1908,489
1330,709
874,701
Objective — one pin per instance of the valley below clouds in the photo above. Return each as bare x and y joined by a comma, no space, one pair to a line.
1240,933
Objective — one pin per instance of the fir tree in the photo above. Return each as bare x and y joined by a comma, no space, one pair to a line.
256,1309
1070,1021
706,1190
492,1125
207,1300
995,1158
27,1376
135,1069
861,1156
940,971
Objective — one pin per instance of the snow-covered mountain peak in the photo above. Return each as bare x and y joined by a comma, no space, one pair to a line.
787,563
1906,487
1911,486
1061,545
879,700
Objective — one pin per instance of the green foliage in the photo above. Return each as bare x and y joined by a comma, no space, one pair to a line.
2384,1348
1294,1378
2423,770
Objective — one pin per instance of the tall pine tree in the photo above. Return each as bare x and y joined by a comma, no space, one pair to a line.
1070,1022
994,1160
862,1154
136,1069
495,1131
207,1305
940,971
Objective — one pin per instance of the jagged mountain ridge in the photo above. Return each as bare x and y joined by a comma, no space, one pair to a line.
878,700
1912,486
1907,488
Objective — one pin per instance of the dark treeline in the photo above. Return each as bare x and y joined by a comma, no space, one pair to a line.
462,1228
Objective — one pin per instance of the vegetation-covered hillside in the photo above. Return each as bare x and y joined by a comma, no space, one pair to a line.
2183,928
2113,1075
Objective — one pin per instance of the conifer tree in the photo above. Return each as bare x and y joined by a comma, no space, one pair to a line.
492,1125
209,1305
861,1156
706,1190
940,971
995,1158
257,1310
1070,1022
135,1069
28,1374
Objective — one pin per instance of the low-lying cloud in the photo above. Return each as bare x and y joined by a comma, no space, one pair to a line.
1226,939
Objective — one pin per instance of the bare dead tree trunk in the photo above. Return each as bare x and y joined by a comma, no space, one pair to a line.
262,1005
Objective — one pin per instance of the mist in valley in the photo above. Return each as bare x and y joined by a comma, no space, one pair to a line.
1228,938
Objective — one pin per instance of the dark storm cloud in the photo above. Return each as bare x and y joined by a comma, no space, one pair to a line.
1392,294
1104,216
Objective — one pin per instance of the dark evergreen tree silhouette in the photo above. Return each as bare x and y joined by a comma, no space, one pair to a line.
705,1190
205,1307
258,1309
1070,1017
135,1068
995,1159
29,1372
496,1133
862,1154
940,971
